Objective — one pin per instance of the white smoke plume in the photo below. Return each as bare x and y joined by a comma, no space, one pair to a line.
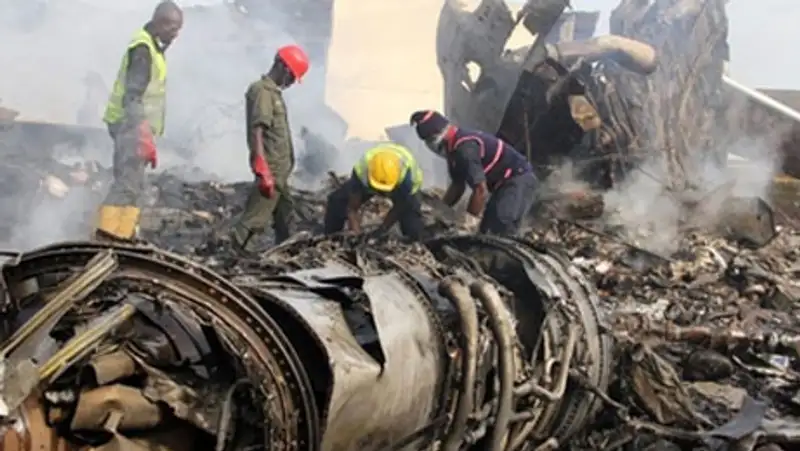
656,217
60,58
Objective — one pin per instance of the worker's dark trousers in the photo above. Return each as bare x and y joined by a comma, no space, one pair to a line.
336,211
509,205
128,170
260,212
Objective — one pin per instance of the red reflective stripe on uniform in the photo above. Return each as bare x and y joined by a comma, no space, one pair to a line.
449,136
497,154
496,158
467,138
508,173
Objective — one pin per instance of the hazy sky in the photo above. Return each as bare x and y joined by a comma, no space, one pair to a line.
757,29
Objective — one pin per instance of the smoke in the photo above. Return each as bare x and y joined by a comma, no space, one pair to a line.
651,212
701,152
60,58
656,217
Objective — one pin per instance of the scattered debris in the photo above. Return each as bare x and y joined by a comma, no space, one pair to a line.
697,334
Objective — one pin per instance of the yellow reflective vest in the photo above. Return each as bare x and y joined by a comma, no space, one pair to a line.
154,100
361,169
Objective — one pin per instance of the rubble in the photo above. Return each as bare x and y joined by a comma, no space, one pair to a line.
705,339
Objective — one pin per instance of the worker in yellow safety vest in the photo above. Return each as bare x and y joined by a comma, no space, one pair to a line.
388,170
135,115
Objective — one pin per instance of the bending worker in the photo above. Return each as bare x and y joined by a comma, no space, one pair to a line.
134,115
488,165
385,170
271,151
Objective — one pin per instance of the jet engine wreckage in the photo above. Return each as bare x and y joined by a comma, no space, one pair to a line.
325,345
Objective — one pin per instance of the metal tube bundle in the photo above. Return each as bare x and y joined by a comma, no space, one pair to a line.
466,341
463,342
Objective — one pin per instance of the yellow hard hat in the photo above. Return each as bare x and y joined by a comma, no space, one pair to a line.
384,171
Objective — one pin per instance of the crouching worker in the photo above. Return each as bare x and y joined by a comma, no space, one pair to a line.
489,166
385,170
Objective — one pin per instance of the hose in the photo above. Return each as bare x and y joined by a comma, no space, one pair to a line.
558,393
490,300
531,387
457,293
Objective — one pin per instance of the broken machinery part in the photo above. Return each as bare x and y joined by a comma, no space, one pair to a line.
328,344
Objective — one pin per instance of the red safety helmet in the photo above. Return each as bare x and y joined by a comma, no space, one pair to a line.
295,60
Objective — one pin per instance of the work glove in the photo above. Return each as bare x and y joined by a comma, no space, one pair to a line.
147,145
264,179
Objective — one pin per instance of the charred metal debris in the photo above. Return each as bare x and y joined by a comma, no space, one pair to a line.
606,104
567,337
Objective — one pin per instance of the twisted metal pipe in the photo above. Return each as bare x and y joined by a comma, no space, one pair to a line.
499,322
458,294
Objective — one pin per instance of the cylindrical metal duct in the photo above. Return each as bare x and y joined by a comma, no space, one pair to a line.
384,351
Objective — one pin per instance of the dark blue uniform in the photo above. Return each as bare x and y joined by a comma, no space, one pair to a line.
478,157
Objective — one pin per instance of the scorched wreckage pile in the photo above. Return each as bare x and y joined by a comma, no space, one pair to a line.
568,336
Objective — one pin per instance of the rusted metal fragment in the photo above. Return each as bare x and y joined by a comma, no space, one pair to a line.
29,431
476,33
111,367
95,406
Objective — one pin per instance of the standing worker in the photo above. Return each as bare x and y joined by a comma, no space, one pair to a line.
134,115
488,165
271,151
385,170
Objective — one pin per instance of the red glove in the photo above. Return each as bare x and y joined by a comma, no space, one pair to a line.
264,178
147,145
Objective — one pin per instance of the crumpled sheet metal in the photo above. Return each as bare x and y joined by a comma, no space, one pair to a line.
198,408
95,406
111,367
372,405
659,389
